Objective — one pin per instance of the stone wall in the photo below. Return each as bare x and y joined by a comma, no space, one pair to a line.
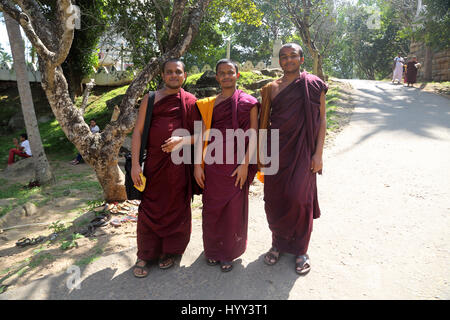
7,72
438,61
102,76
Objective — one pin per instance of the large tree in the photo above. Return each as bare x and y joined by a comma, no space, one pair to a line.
314,21
52,39
42,169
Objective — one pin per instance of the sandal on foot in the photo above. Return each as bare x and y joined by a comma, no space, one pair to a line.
303,266
166,261
271,257
143,269
226,266
212,262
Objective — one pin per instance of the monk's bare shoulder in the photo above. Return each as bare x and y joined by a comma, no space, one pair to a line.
276,86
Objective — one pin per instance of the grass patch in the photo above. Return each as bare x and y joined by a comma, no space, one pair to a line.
85,261
192,79
100,106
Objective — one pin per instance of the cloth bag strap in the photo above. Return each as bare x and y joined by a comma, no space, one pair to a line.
148,120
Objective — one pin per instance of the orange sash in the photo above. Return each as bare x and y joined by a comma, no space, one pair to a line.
206,106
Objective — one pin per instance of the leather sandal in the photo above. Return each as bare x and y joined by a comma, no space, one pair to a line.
143,269
302,267
212,262
269,256
166,261
226,266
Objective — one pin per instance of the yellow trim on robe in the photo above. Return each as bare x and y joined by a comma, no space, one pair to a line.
206,106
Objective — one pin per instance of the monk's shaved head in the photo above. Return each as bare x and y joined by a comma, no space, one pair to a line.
294,45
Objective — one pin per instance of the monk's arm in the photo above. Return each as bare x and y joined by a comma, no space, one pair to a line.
253,137
199,173
241,171
136,142
316,163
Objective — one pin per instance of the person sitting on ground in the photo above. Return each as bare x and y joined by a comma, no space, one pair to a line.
94,129
23,150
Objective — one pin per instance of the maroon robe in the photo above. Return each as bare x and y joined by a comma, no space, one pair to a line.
291,195
164,219
225,207
411,72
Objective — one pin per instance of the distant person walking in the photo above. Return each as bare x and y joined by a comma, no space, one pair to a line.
94,129
23,150
398,69
411,71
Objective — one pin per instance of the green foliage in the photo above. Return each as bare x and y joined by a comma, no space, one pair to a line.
72,242
57,227
85,261
207,47
247,77
362,51
4,56
436,24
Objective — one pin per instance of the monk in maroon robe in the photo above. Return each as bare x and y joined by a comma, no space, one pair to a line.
298,112
164,216
411,71
226,185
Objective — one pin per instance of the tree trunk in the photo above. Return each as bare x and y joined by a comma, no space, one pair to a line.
42,169
112,181
317,60
428,63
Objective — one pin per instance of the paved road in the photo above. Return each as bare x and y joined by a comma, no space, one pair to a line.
384,231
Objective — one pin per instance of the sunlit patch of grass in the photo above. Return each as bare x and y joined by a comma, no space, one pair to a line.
85,261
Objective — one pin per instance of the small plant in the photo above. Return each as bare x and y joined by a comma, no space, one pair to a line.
57,227
72,243
94,203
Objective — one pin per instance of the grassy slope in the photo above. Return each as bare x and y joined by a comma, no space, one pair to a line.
53,138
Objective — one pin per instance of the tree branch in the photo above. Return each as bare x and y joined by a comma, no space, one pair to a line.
25,22
175,22
65,17
46,27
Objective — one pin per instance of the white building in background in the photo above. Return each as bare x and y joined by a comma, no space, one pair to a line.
113,53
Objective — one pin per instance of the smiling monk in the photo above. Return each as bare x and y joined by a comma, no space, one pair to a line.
226,181
164,219
295,105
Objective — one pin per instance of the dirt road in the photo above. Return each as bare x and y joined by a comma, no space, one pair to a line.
384,231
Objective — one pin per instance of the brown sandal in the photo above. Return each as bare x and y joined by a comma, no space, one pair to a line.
302,267
166,261
212,262
226,266
143,269
270,255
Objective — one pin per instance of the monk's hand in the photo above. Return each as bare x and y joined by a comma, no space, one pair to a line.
135,175
172,144
316,163
241,175
199,175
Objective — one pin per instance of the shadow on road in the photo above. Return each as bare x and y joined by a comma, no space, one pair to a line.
194,282
387,107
